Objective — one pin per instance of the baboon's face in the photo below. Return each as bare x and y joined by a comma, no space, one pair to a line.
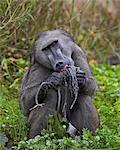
58,59
54,50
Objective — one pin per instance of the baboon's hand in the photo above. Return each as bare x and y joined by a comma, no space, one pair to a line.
55,79
81,77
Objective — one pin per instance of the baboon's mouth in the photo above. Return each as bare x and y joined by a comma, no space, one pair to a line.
64,68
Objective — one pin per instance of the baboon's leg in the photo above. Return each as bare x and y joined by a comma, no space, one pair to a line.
71,130
38,117
84,115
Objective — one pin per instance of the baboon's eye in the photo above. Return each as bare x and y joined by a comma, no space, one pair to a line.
45,49
55,42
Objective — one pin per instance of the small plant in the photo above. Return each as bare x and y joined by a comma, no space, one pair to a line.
47,141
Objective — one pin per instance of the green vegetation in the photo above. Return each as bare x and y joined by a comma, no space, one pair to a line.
107,101
96,30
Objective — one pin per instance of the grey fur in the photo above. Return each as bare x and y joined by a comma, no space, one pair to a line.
83,113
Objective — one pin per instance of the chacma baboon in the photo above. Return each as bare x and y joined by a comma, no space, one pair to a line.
54,51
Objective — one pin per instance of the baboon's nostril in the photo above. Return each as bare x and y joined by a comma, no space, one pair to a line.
59,64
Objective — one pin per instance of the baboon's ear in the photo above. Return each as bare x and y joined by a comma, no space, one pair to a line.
80,59
32,54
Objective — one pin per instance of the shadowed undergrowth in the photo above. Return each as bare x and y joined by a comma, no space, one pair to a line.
94,27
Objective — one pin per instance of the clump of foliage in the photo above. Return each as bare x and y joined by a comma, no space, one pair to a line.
48,141
12,122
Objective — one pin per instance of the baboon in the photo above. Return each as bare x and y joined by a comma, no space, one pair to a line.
54,51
